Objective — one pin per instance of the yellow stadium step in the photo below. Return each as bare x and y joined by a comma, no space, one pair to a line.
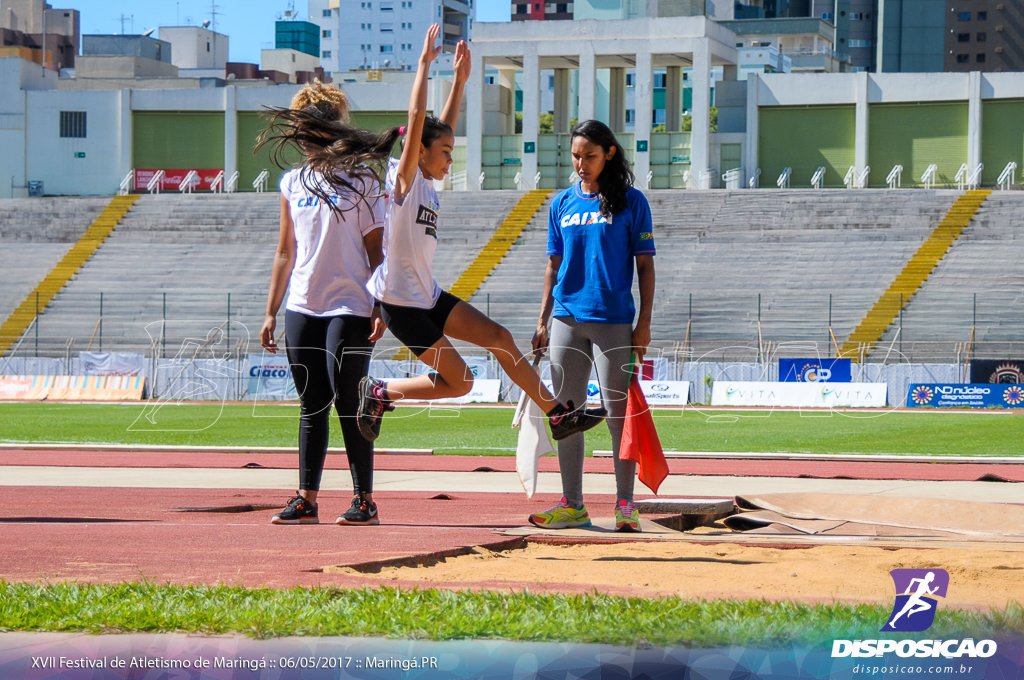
491,255
917,270
21,318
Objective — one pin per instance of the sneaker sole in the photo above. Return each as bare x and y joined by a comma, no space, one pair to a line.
364,428
582,429
629,528
304,520
346,523
562,525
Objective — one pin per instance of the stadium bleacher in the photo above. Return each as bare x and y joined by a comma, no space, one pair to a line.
793,260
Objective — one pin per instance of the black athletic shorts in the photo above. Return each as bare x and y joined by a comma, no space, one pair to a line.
418,328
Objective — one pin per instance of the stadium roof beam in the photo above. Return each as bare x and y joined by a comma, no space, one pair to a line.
585,46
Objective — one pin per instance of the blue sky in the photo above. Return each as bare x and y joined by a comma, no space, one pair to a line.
249,23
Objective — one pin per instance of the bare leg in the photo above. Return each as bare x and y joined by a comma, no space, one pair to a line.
452,378
469,324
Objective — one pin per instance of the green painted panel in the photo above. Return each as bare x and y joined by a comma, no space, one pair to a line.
252,123
1002,138
178,139
916,135
805,138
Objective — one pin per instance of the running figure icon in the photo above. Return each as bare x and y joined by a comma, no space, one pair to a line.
916,603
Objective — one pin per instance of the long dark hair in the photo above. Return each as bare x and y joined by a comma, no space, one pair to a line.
617,175
329,145
433,127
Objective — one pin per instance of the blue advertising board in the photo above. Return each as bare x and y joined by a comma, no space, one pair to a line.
814,370
972,395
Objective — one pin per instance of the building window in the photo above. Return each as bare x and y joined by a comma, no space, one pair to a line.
387,49
522,9
963,37
963,58
981,37
387,28
964,16
326,13
982,16
979,59
630,116
72,123
629,80
325,33
326,54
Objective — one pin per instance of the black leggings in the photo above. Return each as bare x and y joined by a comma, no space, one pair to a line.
328,356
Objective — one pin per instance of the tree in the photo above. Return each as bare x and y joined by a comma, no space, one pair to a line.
712,123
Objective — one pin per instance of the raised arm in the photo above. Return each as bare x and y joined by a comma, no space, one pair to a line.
408,165
462,65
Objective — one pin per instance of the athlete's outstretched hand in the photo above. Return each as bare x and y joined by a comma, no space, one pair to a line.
430,50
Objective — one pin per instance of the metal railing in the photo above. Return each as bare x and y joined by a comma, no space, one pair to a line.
705,176
155,182
127,184
260,183
755,181
188,182
1008,176
733,178
928,178
895,177
861,181
217,185
232,183
783,181
818,178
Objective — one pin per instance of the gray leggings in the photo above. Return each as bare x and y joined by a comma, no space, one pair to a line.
574,347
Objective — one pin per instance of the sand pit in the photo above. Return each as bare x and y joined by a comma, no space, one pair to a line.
981,576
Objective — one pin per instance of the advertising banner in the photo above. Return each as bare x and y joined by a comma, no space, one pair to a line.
71,387
111,363
174,176
269,377
485,391
815,370
972,395
989,371
657,392
809,395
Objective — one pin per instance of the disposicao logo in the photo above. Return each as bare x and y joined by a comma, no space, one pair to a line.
917,593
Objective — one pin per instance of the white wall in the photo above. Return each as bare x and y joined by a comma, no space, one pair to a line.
51,158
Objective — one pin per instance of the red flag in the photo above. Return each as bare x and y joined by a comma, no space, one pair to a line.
640,441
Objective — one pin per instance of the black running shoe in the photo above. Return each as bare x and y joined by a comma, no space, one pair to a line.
568,420
298,511
362,512
372,407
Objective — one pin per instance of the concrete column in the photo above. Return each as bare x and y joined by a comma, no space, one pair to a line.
674,98
860,144
617,99
125,126
507,80
750,158
531,114
700,140
974,127
475,123
643,100
230,131
588,83
563,88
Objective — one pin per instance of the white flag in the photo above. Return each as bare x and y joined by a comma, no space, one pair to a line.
534,442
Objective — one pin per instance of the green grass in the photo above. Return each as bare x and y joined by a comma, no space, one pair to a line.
487,431
448,615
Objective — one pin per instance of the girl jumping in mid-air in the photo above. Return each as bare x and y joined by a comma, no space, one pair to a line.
413,306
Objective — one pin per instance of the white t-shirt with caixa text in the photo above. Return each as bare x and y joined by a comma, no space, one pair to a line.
331,267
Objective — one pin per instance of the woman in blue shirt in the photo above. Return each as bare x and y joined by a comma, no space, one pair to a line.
598,231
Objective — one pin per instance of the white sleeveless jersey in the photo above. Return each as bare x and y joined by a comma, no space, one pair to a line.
331,267
410,238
